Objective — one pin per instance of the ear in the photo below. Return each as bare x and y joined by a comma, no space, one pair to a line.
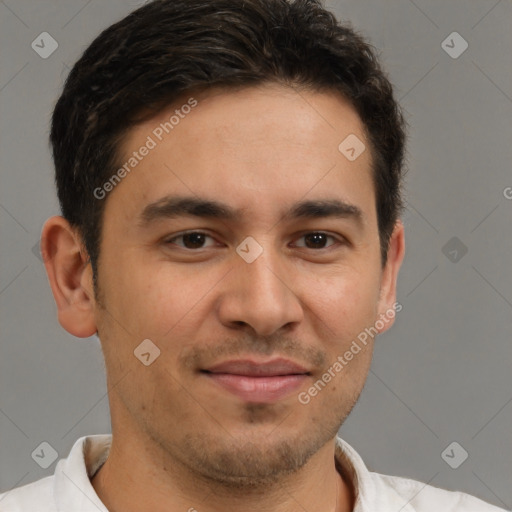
387,306
70,277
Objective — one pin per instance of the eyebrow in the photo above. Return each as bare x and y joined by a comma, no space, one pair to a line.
171,207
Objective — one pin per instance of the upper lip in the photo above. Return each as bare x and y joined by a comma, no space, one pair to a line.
253,368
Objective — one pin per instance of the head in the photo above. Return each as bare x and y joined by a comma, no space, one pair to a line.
244,104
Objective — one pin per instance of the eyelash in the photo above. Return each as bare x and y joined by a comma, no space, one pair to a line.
339,241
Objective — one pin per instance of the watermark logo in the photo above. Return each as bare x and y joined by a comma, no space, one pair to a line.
44,45
454,249
44,455
454,45
454,455
249,249
352,147
146,352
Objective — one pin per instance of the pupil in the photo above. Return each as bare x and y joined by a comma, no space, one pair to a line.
197,239
317,238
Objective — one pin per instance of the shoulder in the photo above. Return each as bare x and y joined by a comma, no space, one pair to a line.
37,495
69,488
423,497
376,491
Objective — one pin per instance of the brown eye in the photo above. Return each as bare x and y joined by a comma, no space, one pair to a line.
191,240
316,240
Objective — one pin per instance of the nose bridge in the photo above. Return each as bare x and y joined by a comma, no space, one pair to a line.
260,294
263,277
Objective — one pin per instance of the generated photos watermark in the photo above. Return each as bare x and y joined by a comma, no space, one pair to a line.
157,135
336,368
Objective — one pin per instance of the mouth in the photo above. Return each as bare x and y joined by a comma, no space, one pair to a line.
258,382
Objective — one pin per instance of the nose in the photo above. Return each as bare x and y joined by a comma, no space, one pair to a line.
260,294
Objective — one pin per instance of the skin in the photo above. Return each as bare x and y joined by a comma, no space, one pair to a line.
179,441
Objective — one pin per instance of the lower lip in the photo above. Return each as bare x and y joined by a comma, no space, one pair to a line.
259,389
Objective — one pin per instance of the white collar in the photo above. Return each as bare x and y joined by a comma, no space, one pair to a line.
73,489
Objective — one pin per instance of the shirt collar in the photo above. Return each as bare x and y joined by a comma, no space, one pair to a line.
372,490
73,489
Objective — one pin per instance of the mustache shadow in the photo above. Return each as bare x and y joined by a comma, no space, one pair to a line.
201,356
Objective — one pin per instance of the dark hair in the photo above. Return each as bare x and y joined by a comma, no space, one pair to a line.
146,61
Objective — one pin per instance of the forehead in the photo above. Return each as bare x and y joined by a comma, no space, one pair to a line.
252,148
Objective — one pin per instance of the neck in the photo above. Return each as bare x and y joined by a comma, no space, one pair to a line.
136,477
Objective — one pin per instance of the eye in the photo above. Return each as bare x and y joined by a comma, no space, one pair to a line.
191,240
316,240
196,239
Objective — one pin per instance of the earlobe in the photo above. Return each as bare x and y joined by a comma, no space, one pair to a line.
388,305
70,277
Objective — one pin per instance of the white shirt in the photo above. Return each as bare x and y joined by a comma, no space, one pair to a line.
69,489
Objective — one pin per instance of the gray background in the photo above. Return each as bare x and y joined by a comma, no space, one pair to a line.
441,374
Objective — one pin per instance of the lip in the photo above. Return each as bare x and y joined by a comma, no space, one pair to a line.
258,382
252,368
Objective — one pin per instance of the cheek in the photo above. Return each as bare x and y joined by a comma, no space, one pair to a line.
138,291
346,301
161,299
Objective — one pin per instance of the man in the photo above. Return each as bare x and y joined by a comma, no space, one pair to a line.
229,175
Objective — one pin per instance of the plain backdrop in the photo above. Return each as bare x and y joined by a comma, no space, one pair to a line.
440,375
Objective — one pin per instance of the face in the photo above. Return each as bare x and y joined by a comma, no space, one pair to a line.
247,310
